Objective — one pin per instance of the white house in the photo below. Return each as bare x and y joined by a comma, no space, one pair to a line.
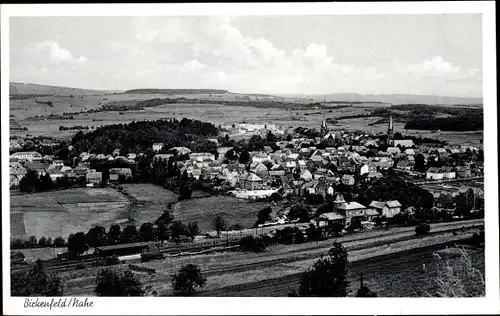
201,157
27,156
434,173
157,146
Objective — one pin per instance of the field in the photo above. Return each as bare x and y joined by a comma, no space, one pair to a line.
151,201
60,213
214,113
231,209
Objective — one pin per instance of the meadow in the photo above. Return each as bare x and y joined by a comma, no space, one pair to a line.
204,210
60,213
24,110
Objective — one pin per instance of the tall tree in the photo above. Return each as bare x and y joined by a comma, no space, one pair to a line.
192,230
111,283
96,236
263,216
114,235
188,279
177,229
77,243
219,224
147,232
130,235
328,276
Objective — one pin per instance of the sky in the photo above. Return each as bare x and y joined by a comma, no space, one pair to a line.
366,54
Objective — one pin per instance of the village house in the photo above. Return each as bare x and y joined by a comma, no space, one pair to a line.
463,172
327,220
27,156
202,157
348,179
252,182
448,172
351,210
39,168
374,175
403,143
93,177
164,157
222,151
306,175
81,170
404,165
434,173
387,208
17,172
445,201
157,146
115,173
261,170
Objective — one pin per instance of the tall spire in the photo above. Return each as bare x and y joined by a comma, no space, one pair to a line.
390,127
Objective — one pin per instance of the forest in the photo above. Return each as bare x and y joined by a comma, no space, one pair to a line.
140,136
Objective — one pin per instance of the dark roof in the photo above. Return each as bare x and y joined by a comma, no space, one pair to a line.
124,246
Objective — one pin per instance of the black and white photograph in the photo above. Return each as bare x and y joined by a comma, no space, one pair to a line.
246,152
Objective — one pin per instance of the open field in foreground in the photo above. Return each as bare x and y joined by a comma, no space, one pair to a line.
60,213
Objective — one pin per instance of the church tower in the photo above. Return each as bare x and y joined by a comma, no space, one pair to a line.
390,130
324,128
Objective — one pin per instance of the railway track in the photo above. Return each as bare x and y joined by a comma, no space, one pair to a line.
351,246
173,251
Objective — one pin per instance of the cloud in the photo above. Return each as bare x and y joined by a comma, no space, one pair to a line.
436,66
194,65
57,54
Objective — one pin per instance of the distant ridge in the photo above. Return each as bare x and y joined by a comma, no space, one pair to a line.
176,91
393,98
30,88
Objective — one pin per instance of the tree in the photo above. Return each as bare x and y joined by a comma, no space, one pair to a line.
129,235
77,243
185,191
114,235
219,224
42,242
32,242
147,232
110,283
188,279
96,236
163,232
192,230
364,291
177,229
250,243
328,276
419,163
244,157
263,216
166,217
324,208
36,282
59,242
231,155
422,229
300,212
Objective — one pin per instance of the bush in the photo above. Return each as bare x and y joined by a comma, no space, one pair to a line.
250,243
422,229
80,266
187,279
111,261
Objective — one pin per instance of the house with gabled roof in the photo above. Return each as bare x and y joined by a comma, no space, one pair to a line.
387,208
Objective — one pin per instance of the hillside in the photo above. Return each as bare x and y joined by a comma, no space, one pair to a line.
394,98
176,91
29,88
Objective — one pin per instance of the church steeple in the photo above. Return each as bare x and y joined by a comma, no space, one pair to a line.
390,130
